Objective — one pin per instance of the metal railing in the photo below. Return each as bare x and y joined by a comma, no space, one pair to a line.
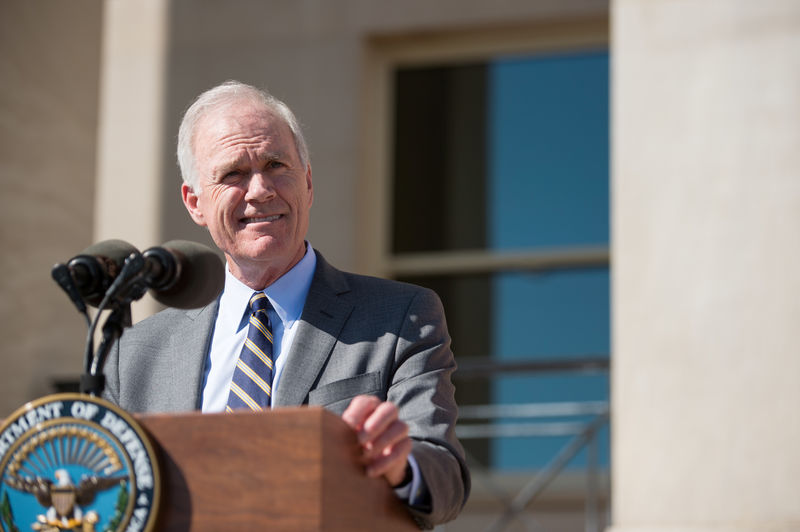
584,419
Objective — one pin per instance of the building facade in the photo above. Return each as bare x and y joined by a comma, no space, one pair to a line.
574,178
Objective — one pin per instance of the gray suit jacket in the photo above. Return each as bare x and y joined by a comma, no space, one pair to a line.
357,335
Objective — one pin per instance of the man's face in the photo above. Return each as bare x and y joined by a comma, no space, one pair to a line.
255,194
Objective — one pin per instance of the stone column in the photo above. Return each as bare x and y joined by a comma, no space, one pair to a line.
131,138
706,265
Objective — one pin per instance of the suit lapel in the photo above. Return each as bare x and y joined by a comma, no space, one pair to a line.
190,349
325,312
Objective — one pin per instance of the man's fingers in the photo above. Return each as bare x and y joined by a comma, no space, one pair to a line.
359,410
369,417
393,434
391,464
377,423
382,435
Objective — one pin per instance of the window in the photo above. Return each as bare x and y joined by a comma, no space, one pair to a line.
485,177
499,195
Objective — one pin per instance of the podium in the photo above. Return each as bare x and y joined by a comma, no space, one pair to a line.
292,469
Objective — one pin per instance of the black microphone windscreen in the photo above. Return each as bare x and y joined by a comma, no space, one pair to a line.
116,250
97,266
201,278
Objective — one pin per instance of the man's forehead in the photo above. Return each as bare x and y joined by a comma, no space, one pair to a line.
240,117
216,132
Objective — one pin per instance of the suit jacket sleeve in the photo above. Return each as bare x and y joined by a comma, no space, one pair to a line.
422,389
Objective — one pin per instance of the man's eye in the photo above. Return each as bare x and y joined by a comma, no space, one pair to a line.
275,164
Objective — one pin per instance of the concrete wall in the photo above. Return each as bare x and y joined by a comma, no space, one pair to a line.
706,265
49,67
706,200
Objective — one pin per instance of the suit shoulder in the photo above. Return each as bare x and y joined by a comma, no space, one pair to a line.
378,286
343,281
163,323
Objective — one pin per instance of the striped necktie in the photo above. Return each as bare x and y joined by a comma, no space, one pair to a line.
251,387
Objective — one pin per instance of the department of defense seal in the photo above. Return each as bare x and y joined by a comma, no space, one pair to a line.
76,462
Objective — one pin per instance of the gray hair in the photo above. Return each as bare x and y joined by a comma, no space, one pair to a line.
220,96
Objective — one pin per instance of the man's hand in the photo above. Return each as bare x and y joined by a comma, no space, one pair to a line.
383,437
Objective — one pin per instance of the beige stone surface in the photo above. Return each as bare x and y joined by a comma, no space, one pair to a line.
706,265
131,141
49,68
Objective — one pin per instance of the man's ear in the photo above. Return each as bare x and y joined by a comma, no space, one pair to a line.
190,200
310,185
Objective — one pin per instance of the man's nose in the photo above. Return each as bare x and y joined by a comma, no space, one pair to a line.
260,187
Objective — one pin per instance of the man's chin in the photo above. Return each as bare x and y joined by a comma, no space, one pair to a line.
267,252
261,251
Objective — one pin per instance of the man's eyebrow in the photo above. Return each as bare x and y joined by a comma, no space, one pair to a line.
228,165
270,156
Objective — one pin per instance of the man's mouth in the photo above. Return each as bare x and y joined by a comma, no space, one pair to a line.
259,219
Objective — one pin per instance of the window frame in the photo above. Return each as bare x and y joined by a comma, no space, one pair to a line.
384,54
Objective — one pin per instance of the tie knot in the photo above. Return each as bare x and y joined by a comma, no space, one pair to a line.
259,302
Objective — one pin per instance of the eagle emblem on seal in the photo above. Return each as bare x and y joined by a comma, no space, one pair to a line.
63,499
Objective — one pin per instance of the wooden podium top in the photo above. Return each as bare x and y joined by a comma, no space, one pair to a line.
293,469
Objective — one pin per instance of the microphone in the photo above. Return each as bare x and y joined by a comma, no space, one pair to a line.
97,266
183,274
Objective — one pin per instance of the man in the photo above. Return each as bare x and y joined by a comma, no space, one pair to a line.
375,351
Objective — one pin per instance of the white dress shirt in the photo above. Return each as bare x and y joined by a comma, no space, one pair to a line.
287,295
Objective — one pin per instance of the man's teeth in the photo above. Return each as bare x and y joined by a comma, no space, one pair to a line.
262,219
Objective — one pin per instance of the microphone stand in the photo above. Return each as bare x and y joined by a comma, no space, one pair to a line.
129,286
93,381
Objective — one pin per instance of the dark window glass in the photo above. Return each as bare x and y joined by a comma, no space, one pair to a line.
510,154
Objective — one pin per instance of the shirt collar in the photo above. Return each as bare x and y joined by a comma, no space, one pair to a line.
287,294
